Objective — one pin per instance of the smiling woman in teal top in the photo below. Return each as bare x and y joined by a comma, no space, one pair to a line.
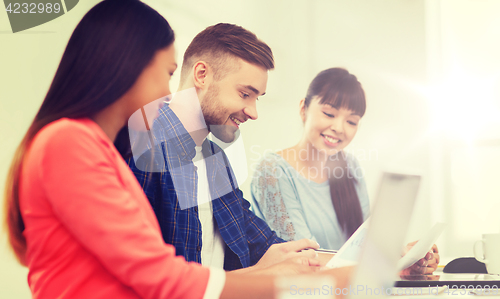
315,189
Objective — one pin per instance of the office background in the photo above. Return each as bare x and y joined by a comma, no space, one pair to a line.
430,70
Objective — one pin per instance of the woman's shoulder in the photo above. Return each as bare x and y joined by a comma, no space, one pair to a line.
271,157
351,159
278,159
67,126
67,132
271,162
355,168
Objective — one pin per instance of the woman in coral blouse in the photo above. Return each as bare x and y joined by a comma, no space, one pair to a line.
77,217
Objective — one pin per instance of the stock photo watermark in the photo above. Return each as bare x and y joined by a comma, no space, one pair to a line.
318,155
364,290
262,164
28,14
155,149
359,290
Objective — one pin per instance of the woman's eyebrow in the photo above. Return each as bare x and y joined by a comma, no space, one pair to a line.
337,108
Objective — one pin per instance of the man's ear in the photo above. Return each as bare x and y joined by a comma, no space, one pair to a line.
201,75
302,111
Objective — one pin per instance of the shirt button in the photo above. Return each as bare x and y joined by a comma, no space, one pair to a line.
198,248
195,168
196,209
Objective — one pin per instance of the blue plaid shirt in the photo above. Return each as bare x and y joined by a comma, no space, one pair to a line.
246,236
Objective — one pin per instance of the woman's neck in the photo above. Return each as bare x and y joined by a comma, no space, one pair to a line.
110,120
307,160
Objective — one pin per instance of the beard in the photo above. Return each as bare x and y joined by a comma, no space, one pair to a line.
216,116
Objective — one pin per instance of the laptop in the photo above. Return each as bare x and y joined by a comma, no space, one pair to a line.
375,247
377,271
385,235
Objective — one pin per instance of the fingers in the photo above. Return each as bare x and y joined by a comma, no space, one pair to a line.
314,263
295,246
426,265
429,256
433,260
429,270
412,243
304,264
416,269
303,269
302,260
308,253
435,250
433,263
291,266
422,262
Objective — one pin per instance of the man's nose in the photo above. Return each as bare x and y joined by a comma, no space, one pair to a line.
251,111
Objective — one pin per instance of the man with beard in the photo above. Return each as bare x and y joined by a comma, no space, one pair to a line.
188,179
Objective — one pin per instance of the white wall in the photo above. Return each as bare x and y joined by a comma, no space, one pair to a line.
28,61
381,42
390,45
464,72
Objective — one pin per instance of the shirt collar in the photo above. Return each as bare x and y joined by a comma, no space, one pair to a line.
168,128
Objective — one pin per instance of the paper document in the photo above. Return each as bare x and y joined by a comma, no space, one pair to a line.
349,253
420,249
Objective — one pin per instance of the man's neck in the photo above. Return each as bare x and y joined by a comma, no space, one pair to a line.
186,106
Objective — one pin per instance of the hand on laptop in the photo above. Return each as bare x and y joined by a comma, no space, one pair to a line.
426,265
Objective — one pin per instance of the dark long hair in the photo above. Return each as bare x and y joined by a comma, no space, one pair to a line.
105,55
340,89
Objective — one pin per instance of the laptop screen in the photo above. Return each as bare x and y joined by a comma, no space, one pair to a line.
377,268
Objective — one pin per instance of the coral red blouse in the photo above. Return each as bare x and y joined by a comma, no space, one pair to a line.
90,230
